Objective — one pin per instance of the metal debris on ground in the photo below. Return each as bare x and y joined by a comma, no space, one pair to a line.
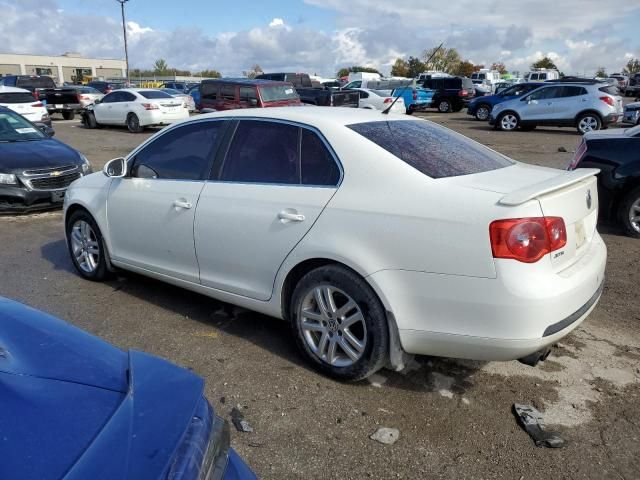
531,420
562,149
387,436
239,422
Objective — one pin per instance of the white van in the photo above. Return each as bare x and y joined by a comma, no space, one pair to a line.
486,78
361,79
541,75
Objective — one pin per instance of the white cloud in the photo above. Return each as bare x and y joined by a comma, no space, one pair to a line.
134,30
276,22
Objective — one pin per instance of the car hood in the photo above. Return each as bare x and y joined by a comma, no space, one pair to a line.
85,408
46,153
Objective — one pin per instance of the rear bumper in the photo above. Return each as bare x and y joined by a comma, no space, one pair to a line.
158,118
67,107
521,311
612,118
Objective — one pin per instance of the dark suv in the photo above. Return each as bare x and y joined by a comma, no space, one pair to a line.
33,83
633,88
452,94
231,93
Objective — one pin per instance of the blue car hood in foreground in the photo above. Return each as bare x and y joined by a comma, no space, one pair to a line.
75,407
46,153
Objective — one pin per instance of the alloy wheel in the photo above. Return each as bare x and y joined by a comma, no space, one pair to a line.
333,326
444,106
509,122
588,124
634,215
85,246
482,113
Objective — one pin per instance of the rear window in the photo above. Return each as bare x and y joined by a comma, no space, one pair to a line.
36,82
431,149
151,94
611,90
17,97
275,93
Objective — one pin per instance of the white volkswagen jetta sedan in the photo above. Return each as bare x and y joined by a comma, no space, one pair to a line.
136,108
372,234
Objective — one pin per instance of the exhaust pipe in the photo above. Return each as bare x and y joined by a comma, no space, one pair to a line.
533,358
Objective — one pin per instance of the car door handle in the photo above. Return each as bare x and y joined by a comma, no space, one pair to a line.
182,204
291,217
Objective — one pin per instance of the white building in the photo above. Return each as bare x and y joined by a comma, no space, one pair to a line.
70,67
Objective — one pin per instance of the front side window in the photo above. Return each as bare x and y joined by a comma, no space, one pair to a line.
180,154
110,97
263,152
433,150
546,93
248,94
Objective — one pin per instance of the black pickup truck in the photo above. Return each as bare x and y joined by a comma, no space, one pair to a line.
322,96
64,100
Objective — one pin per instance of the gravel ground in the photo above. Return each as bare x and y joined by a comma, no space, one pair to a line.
454,417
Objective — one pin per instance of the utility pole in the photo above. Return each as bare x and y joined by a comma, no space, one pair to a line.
124,33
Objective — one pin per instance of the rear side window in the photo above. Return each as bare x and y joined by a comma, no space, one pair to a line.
17,97
180,154
228,92
263,152
611,90
572,91
435,151
318,165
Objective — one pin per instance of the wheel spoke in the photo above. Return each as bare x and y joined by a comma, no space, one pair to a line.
344,346
349,321
322,344
357,344
330,302
346,308
320,301
313,327
310,315
331,353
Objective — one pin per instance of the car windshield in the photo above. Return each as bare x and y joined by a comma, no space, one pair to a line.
171,91
151,94
275,93
433,150
16,97
14,128
633,132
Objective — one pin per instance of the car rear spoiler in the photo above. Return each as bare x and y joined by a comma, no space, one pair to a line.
525,194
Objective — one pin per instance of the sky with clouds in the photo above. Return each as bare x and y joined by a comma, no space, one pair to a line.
320,36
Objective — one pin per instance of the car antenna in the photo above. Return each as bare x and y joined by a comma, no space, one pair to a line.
413,83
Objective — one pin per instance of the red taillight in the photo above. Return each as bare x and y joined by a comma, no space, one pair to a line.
39,104
527,239
608,100
578,156
107,90
36,94
388,100
150,106
415,95
463,93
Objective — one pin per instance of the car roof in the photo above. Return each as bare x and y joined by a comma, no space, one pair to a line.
4,89
246,81
310,115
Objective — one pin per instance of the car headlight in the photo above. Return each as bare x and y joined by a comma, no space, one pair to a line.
86,166
8,179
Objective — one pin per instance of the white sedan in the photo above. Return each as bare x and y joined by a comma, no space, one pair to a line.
23,102
136,108
371,234
380,100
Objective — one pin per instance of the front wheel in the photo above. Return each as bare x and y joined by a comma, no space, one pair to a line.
339,323
86,246
482,112
630,212
89,120
588,122
133,123
507,122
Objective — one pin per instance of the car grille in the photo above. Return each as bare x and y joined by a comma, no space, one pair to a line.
54,183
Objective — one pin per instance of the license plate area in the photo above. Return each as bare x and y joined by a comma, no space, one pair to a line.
581,234
57,197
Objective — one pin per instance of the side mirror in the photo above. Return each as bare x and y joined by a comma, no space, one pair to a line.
97,101
47,130
116,168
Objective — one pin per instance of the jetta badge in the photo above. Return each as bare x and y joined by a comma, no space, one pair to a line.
589,199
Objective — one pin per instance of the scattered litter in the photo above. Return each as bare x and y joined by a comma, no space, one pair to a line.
377,380
383,410
466,401
239,422
562,149
278,395
387,436
532,422
223,400
443,383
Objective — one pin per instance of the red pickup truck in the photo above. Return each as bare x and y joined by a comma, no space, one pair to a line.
228,94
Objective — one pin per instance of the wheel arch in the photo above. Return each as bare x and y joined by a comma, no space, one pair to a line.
588,110
79,206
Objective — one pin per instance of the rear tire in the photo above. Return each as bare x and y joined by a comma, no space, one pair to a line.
86,246
133,123
339,324
69,115
410,111
629,213
588,122
444,106
507,122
